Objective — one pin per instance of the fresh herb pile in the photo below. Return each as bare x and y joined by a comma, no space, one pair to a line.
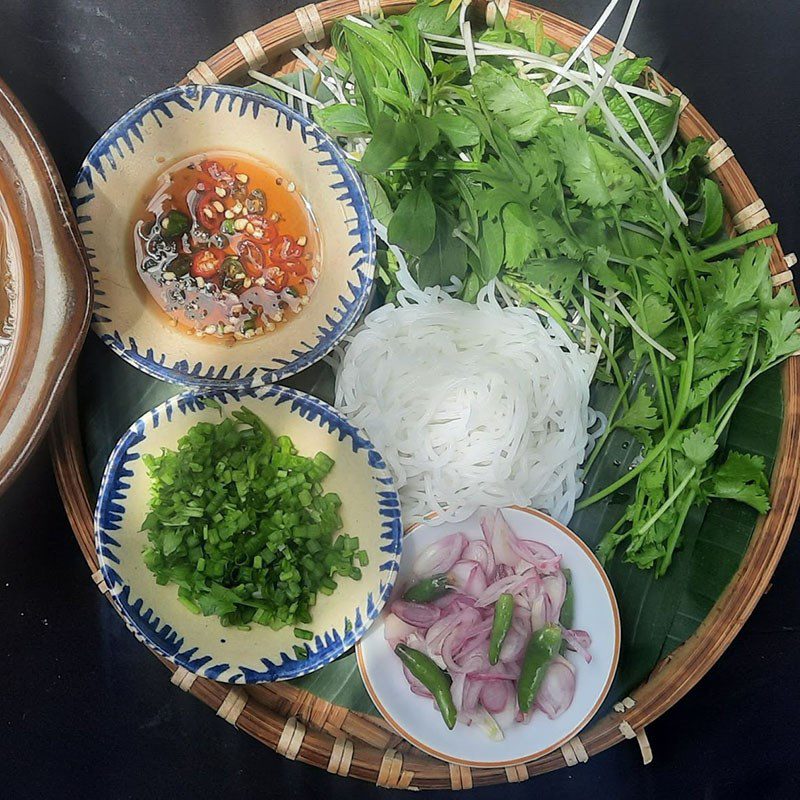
497,155
241,523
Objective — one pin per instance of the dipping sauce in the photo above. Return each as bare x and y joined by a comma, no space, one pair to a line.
226,245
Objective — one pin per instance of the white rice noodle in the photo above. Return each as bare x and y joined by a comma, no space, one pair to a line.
470,405
466,34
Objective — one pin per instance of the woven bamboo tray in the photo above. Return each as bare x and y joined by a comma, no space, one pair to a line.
301,726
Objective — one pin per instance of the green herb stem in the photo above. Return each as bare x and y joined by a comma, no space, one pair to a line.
727,245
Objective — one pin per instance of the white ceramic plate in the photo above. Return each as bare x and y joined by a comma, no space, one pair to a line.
417,719
370,510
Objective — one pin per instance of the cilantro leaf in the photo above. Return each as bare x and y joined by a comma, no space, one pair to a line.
491,246
698,444
654,315
702,389
519,104
741,477
781,328
557,275
520,235
641,414
171,541
582,174
210,605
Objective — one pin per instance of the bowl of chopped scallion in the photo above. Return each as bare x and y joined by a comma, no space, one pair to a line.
247,535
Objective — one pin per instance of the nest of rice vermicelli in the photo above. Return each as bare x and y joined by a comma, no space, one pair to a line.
470,404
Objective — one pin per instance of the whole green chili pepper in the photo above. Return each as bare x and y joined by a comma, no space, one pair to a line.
503,614
542,647
568,606
428,589
433,678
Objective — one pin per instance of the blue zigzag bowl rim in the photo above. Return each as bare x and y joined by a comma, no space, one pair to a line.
360,276
161,637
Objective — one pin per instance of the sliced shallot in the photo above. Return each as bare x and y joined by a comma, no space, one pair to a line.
440,556
558,688
455,629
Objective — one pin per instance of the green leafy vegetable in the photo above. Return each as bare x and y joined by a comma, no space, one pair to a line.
741,478
445,258
413,224
518,104
482,175
391,140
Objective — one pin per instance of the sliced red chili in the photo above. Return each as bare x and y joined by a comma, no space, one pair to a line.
217,171
252,257
209,216
275,278
296,268
294,280
206,263
288,248
284,249
264,231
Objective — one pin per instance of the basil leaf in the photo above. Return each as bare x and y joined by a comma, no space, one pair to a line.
459,131
399,100
342,119
433,19
427,134
391,139
413,224
447,255
379,203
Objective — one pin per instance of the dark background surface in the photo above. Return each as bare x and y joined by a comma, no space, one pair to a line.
87,712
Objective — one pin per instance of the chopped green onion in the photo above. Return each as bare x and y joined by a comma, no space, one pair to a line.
239,520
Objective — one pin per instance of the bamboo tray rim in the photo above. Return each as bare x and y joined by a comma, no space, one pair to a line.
302,726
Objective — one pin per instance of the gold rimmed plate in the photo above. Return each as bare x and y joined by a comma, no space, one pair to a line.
595,610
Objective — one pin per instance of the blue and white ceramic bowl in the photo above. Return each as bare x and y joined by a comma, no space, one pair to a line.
182,121
370,510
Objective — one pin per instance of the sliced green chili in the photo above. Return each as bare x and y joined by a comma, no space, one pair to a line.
180,266
174,223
